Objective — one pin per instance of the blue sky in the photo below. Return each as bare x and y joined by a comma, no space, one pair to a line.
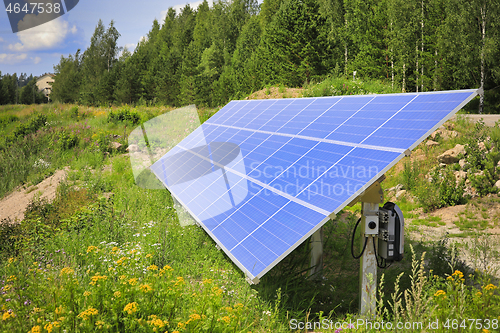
36,50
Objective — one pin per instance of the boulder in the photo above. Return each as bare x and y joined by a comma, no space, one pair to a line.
497,184
463,164
443,133
459,175
482,146
132,148
116,145
400,193
431,143
451,155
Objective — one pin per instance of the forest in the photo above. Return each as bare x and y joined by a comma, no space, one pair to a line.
210,55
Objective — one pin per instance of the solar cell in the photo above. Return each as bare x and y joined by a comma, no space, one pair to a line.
261,176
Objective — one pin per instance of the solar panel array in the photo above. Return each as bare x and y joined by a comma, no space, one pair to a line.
261,176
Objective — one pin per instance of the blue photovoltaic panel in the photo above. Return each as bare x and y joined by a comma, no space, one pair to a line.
261,176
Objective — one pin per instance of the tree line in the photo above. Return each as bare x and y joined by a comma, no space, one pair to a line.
210,55
19,90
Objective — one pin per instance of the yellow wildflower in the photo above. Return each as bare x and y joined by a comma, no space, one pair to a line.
149,255
11,260
180,280
207,281
88,313
92,248
146,288
152,268
485,330
99,324
194,317
35,263
180,324
156,322
66,271
11,278
131,307
132,251
49,327
114,249
117,294
36,329
490,287
121,261
87,293
479,294
458,273
122,277
96,278
56,324
133,281
439,293
226,319
217,291
7,315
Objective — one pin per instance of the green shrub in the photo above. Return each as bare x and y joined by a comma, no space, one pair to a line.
124,115
441,191
7,119
31,127
73,112
410,175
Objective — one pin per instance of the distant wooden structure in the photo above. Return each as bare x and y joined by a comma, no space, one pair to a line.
44,84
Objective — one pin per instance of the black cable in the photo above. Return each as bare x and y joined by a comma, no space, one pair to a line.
352,242
376,257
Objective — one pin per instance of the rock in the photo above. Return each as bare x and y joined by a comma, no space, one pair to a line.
463,163
431,143
399,187
498,164
116,145
470,191
442,165
482,146
480,173
450,126
443,133
459,175
497,184
132,148
451,155
400,193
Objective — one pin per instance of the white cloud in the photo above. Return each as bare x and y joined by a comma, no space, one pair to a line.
37,60
131,47
11,59
178,8
44,36
1,40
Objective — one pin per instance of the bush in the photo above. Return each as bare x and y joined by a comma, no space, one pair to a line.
441,191
31,127
124,115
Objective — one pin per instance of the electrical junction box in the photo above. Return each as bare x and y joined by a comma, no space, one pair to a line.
391,232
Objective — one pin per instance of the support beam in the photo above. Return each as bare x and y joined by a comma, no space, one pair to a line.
368,263
316,247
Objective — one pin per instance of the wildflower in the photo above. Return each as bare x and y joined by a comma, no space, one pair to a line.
156,322
92,248
49,327
146,288
96,278
114,249
439,293
149,255
99,324
207,281
36,329
217,291
180,280
131,308
86,293
59,310
479,294
152,268
180,324
485,330
7,315
122,277
458,273
121,261
88,313
133,281
11,278
226,319
490,287
66,271
11,260
117,294
194,317
7,287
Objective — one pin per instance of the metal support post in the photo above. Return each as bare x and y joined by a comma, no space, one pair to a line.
368,263
316,247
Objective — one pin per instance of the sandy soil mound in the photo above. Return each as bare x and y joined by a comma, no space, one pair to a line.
14,205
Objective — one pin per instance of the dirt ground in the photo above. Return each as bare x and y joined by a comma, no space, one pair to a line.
274,92
14,205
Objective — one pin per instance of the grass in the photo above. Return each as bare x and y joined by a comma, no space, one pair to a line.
108,255
430,221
